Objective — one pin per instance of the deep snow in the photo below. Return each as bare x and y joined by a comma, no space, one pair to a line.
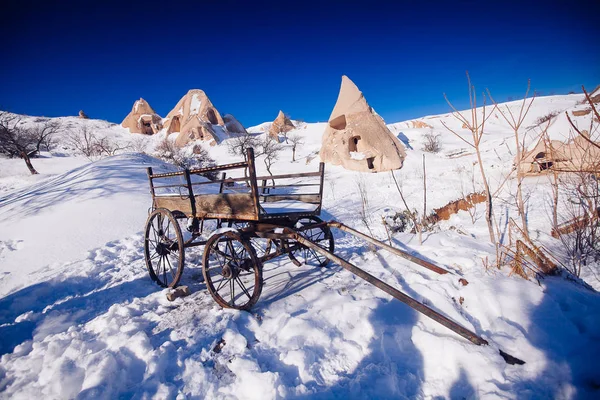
79,316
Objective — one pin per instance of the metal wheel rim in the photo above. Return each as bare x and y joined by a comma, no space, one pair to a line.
163,248
322,236
240,287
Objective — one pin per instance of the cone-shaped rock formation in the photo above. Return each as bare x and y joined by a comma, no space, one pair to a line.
142,119
357,138
281,124
195,118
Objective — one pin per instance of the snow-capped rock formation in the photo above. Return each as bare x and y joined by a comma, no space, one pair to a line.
142,119
356,136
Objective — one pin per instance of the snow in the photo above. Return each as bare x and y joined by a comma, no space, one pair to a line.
195,105
80,318
355,155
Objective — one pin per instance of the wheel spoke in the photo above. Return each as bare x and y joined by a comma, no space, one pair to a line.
243,287
170,266
232,294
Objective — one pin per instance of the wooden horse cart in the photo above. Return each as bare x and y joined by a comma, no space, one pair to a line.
255,223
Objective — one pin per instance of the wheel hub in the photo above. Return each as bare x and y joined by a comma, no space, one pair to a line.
163,249
230,270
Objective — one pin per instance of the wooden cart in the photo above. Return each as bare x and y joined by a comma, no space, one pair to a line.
250,218
254,223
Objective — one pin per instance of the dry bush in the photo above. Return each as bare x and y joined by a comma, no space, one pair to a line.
189,157
365,209
545,118
432,143
582,238
88,143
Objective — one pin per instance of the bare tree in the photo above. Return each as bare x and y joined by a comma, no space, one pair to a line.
84,141
296,141
240,144
270,149
92,146
515,121
44,133
476,126
16,140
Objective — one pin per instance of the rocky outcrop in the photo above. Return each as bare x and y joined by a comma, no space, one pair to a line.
83,115
357,138
195,118
233,125
142,119
282,124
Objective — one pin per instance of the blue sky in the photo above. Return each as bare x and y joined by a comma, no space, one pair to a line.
254,58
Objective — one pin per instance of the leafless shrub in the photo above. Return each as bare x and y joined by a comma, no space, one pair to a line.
138,144
545,118
88,143
581,238
191,156
432,143
365,209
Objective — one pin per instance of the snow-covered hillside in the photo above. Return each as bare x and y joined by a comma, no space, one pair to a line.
79,316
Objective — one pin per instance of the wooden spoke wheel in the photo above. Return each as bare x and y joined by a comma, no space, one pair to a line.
163,248
232,272
262,247
321,235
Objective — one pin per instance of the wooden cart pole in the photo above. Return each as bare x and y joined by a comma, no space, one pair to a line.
398,252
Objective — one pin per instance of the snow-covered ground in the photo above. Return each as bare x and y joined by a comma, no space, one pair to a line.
79,316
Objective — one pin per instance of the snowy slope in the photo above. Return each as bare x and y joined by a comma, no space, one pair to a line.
79,315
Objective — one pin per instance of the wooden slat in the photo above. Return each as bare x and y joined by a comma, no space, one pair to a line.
202,170
225,205
306,198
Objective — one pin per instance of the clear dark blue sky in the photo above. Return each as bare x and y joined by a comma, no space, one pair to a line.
253,58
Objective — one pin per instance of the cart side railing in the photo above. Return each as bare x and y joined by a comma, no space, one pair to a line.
241,205
306,187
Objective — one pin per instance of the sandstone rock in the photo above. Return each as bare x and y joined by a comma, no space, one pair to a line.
280,125
420,124
357,138
180,291
194,117
142,119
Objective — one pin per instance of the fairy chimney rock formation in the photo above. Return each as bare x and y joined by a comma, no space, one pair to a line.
233,125
195,118
281,124
142,119
357,138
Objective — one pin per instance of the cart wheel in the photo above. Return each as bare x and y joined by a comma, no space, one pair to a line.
163,248
322,236
232,272
262,247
